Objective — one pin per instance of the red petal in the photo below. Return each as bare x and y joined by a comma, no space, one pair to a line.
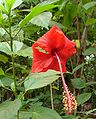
40,60
53,39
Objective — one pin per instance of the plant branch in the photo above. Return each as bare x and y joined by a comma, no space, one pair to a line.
11,45
51,94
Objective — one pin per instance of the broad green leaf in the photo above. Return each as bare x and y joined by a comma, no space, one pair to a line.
25,115
17,49
91,21
17,45
82,98
1,72
38,80
89,51
89,5
58,24
2,31
42,19
5,47
5,81
39,112
37,10
16,3
9,109
3,58
9,4
78,83
27,52
78,67
13,87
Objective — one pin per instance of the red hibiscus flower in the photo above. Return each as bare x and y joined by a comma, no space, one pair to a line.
51,51
44,49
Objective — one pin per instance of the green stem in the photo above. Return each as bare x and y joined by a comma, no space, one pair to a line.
11,45
15,91
13,66
51,94
18,114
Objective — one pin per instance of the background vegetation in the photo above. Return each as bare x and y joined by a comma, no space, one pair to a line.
25,96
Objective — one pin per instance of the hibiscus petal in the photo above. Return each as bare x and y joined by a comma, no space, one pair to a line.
40,60
55,38
55,66
68,50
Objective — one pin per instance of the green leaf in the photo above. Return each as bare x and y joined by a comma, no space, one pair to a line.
82,98
90,21
27,52
1,19
42,19
9,4
39,112
3,58
38,80
90,111
89,51
3,9
78,83
57,24
2,31
89,5
94,92
37,10
17,45
5,81
17,49
68,117
16,3
13,87
9,109
91,83
5,47
25,115
63,4
70,12
1,72
78,67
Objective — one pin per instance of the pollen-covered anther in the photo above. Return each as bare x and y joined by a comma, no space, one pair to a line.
67,107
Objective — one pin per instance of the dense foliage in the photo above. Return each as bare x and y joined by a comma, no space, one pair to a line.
24,95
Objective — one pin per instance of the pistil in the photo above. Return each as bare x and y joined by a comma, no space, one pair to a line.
69,100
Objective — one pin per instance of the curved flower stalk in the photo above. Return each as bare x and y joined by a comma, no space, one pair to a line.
51,51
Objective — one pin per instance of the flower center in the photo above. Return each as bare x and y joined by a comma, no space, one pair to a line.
54,51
